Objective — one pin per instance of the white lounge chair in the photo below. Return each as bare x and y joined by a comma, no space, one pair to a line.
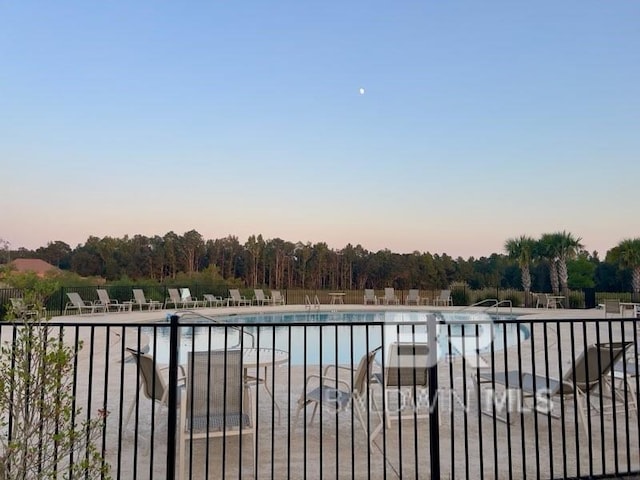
259,298
390,296
235,298
211,300
277,298
76,303
108,304
444,298
173,298
188,300
370,297
140,300
413,298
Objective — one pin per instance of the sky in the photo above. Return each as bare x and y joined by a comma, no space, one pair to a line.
479,121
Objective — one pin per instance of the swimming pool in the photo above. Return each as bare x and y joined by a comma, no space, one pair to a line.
339,336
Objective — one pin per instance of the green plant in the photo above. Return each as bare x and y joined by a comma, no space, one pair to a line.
460,296
42,436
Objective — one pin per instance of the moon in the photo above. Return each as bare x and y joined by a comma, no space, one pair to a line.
361,91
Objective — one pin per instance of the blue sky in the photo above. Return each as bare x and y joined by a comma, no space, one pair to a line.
480,121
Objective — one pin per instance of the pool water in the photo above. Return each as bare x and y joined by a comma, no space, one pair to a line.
457,333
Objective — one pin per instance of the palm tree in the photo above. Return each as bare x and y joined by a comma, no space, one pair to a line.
627,255
521,249
568,248
560,247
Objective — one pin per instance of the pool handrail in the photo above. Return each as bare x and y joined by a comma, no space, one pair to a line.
181,313
495,303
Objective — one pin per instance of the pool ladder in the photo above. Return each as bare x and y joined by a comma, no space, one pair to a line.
495,303
309,305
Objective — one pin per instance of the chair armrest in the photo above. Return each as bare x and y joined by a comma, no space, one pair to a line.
324,378
336,367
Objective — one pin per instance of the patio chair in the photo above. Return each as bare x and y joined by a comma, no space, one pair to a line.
444,298
390,296
188,300
259,298
140,300
277,298
404,380
611,306
106,301
173,298
216,402
370,297
235,298
151,382
211,300
586,378
413,298
76,303
333,391
25,310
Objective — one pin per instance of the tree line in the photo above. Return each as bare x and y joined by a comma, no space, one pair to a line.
553,262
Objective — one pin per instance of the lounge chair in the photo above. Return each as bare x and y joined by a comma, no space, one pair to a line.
444,298
404,379
188,300
370,297
211,300
390,296
235,298
216,401
589,373
277,298
413,298
173,298
259,298
611,307
109,304
76,303
140,300
337,392
25,310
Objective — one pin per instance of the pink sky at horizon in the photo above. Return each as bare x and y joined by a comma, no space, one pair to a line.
475,243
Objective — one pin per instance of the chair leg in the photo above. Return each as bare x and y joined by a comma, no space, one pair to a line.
313,414
301,405
130,411
582,406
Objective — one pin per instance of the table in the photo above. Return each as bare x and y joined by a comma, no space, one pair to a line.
257,358
553,301
336,297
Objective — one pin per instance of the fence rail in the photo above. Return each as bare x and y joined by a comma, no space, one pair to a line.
459,395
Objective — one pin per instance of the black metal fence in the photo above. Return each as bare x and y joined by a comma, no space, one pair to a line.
297,395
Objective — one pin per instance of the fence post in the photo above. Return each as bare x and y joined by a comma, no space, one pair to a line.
173,398
434,407
62,302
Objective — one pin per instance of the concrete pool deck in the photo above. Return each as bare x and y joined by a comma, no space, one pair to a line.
469,442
